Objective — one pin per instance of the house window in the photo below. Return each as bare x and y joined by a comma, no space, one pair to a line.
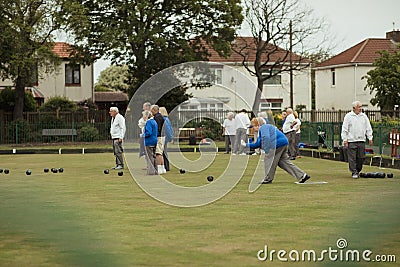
34,76
264,106
218,76
275,79
333,74
72,74
212,106
220,106
276,106
203,106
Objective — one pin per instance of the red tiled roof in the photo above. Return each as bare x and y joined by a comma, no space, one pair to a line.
363,52
110,97
247,46
61,49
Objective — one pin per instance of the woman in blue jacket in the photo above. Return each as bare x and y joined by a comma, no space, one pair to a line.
269,137
169,135
150,142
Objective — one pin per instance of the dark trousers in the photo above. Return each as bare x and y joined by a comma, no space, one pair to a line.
291,136
117,147
356,156
281,160
165,156
240,135
142,151
151,160
229,140
297,144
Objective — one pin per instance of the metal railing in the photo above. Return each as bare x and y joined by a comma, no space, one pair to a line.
328,134
88,126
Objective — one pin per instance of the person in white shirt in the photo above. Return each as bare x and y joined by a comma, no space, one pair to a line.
356,126
298,131
289,130
229,131
117,132
242,122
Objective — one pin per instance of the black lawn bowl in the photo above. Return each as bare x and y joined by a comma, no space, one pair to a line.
182,171
389,175
1,170
46,170
210,178
373,175
106,171
120,173
28,172
6,171
61,170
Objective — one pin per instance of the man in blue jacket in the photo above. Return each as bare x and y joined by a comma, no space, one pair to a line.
269,137
150,142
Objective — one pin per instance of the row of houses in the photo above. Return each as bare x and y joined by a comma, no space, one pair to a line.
338,81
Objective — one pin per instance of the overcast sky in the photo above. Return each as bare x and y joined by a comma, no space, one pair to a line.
350,21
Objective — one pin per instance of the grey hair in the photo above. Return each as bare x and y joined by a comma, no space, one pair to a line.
261,120
229,114
262,114
114,109
355,103
155,107
146,113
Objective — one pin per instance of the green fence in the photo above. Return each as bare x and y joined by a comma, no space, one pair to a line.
20,131
328,134
51,127
89,126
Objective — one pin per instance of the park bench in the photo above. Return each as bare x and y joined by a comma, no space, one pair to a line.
183,134
59,132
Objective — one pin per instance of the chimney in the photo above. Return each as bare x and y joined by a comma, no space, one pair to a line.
394,36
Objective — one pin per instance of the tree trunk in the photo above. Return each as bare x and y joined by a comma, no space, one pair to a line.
19,98
256,103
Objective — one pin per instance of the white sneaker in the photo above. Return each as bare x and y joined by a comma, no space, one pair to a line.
233,154
354,176
160,170
119,167
243,154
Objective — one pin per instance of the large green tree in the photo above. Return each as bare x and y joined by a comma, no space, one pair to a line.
26,41
384,80
151,35
113,78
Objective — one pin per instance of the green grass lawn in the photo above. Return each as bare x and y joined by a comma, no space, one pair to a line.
83,217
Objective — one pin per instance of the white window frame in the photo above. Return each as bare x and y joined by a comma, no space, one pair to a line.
272,81
218,76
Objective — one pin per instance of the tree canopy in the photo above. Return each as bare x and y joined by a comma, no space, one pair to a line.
384,80
150,35
113,78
